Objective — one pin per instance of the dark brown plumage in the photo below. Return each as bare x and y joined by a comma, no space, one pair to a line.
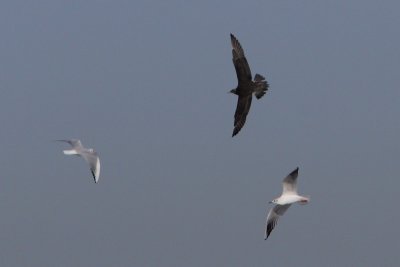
246,86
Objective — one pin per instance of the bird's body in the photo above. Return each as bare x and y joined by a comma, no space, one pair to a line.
88,154
246,86
288,197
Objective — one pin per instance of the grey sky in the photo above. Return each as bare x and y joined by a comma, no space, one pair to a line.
145,83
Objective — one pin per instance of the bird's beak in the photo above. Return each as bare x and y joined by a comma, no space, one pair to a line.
270,202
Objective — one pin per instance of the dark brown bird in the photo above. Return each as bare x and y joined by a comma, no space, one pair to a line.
246,86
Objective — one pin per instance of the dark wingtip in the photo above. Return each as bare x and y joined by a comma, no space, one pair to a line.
268,232
94,176
296,171
235,132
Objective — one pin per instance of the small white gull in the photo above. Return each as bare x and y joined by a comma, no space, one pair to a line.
288,197
88,154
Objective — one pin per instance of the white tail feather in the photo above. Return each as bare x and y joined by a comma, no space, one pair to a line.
304,200
70,152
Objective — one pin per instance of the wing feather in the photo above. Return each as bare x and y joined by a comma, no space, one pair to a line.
242,109
290,182
272,218
75,143
94,163
242,67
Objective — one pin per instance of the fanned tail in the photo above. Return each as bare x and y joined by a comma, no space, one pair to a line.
261,86
304,200
258,78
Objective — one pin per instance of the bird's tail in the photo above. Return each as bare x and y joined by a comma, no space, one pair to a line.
70,152
261,86
304,200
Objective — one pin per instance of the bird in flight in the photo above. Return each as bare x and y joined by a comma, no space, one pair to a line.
88,154
282,203
246,86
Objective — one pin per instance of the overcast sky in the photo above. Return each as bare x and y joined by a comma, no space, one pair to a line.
145,83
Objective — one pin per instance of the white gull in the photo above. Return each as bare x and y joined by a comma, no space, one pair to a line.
288,197
88,154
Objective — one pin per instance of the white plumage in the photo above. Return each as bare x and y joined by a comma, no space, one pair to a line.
88,154
288,197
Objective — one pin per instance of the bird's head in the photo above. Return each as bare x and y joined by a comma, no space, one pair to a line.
233,91
91,150
274,201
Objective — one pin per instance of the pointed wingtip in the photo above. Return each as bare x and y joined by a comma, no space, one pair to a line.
235,132
94,177
295,171
266,235
233,37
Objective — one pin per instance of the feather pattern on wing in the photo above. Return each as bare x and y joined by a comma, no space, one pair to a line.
242,109
242,67
94,163
290,182
272,218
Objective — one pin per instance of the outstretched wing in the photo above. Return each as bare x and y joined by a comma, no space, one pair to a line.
242,109
290,182
272,218
240,62
94,163
75,143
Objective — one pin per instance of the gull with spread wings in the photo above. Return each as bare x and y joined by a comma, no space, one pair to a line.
288,197
246,86
88,154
